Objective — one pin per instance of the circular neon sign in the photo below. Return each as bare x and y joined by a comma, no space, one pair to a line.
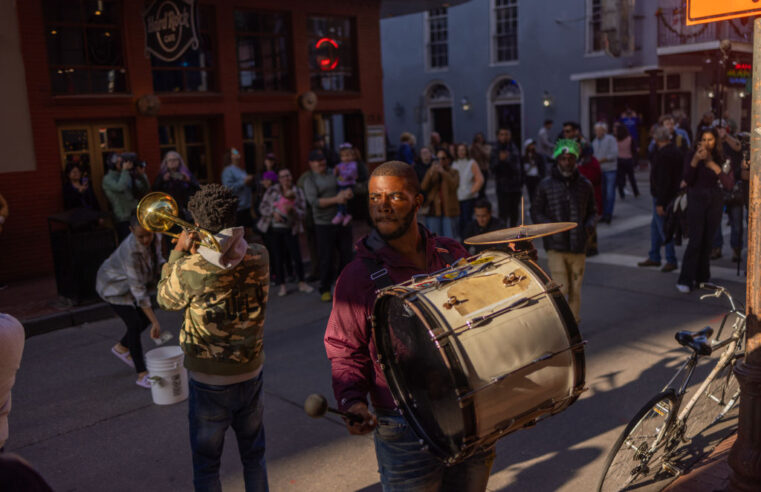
327,54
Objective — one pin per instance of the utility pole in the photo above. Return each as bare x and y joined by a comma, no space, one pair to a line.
745,456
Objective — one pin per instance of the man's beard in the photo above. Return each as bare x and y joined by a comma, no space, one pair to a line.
400,231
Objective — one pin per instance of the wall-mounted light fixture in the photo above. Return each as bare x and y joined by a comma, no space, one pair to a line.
710,93
546,99
465,104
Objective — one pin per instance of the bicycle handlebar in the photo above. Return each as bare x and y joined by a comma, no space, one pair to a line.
717,292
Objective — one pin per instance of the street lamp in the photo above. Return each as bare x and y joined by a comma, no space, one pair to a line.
546,99
465,104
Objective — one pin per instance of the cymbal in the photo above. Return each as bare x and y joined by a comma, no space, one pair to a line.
520,233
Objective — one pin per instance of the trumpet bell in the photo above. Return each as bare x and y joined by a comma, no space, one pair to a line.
154,210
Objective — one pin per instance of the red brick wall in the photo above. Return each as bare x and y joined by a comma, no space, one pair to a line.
32,196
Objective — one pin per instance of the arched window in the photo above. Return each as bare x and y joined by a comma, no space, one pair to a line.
505,101
438,100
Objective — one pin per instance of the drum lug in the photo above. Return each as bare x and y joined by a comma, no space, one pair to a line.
452,302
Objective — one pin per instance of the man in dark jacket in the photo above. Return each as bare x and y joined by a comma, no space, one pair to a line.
505,166
566,196
397,248
665,175
484,222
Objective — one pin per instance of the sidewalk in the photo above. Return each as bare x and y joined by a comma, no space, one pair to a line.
710,474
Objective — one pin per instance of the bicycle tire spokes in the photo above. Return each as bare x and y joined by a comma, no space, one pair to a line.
641,448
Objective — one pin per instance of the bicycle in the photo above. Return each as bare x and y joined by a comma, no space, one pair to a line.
647,447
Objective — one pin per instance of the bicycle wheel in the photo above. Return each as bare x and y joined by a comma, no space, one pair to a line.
716,399
637,455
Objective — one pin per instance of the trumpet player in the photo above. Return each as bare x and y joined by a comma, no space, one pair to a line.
224,295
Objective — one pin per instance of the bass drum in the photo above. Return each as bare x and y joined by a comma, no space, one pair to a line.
478,351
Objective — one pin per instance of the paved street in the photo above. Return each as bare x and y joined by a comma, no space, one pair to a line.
79,418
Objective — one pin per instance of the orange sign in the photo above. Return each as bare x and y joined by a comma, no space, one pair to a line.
702,11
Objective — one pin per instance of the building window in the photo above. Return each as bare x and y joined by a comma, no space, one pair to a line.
193,71
332,54
438,48
191,139
262,40
262,136
84,43
505,30
594,26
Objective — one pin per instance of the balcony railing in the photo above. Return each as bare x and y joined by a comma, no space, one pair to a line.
672,30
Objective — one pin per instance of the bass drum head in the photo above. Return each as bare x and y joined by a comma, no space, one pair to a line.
418,376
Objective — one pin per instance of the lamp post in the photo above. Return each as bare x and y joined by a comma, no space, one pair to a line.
745,455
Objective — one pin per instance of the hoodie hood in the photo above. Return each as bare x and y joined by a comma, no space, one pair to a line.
232,245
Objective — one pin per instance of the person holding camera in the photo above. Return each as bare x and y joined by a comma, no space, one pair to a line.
703,174
176,180
118,187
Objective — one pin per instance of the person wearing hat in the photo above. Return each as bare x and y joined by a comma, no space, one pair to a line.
566,196
533,166
322,193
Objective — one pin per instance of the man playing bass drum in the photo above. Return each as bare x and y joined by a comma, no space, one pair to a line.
401,247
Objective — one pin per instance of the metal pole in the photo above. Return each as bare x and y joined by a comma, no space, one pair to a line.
745,456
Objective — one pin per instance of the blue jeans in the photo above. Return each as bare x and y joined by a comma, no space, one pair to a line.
608,192
404,466
211,410
657,240
441,226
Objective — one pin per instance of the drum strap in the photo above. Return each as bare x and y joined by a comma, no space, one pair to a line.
379,272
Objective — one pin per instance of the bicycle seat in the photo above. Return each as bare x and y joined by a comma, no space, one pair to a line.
696,340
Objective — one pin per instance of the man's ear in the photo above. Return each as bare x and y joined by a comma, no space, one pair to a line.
418,201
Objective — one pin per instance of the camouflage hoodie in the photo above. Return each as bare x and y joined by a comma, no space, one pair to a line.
224,295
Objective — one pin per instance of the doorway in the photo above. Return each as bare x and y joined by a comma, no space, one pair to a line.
509,116
90,145
438,100
262,136
506,100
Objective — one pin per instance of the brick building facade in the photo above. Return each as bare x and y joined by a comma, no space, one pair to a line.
245,90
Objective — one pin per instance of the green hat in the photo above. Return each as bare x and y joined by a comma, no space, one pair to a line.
566,146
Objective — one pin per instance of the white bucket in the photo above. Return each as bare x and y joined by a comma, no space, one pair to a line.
168,377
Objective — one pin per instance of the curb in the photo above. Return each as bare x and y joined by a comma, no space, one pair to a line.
73,317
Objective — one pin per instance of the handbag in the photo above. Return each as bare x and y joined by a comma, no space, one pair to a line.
734,197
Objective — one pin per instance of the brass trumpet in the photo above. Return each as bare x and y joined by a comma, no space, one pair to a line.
158,212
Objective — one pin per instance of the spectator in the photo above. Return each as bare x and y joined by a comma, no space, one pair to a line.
423,163
471,182
11,347
117,186
705,123
331,157
235,177
480,152
268,179
732,151
705,200
680,138
665,176
282,212
125,281
77,192
347,174
440,187
406,148
435,141
544,144
590,169
140,184
534,167
321,192
683,123
3,218
175,179
625,168
483,222
631,120
566,196
309,232
508,176
271,163
606,153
